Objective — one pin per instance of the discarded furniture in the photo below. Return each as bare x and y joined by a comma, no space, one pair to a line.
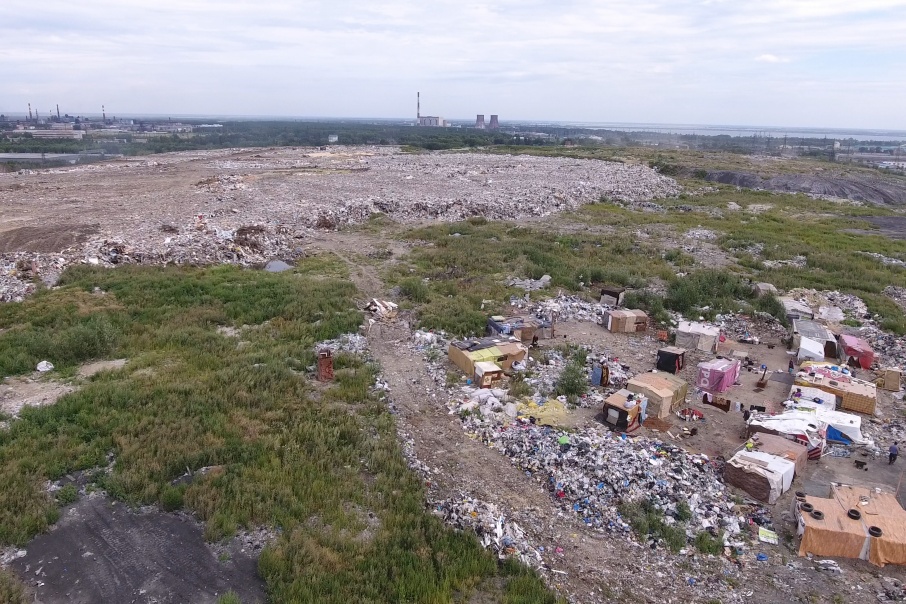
325,365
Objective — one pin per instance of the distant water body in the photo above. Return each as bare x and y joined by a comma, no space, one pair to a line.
716,130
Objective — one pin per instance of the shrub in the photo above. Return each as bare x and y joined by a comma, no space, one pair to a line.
171,498
230,597
573,382
11,590
67,495
683,513
415,289
706,543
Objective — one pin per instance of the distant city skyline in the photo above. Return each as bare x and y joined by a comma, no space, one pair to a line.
772,63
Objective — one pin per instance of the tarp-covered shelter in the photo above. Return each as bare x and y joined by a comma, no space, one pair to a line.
697,336
803,328
625,321
762,475
464,354
855,394
718,375
810,350
839,535
666,393
523,329
671,359
612,295
856,351
625,411
839,427
801,427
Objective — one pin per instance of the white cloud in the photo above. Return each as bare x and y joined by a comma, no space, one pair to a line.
572,59
768,58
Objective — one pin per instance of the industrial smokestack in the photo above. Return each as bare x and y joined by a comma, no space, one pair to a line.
418,105
29,112
479,121
104,114
58,112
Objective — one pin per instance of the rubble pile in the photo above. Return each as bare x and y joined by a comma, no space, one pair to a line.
885,259
563,307
742,327
530,285
897,294
597,471
352,343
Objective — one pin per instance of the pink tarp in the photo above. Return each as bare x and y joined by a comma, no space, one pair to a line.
717,375
858,348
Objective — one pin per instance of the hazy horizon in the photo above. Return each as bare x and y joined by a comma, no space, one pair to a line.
813,63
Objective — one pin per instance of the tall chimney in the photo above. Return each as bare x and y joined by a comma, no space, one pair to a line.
418,105
104,113
58,112
29,112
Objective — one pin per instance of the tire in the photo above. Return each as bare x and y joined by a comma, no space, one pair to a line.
875,531
807,508
817,514
854,514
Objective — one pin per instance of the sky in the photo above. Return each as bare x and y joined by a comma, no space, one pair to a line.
812,63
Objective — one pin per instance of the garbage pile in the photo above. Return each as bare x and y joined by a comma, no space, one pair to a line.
593,472
897,294
530,285
495,531
564,307
743,327
352,343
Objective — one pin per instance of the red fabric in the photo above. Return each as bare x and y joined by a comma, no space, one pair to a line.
858,348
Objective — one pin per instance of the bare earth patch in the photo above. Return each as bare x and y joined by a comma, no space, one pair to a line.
16,393
91,369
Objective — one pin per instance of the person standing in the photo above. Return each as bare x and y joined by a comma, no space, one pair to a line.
894,452
792,366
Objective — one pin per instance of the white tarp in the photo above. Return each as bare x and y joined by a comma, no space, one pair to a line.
848,424
778,471
810,350
793,424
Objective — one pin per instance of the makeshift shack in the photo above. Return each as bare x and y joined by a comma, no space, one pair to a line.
855,394
856,352
877,533
803,428
624,411
810,350
718,375
795,309
487,374
612,295
697,336
803,328
839,427
671,359
524,329
665,393
785,448
625,321
762,475
464,354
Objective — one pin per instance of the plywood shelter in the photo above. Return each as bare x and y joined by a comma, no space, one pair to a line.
666,393
718,375
612,295
697,336
625,321
785,448
762,475
464,354
617,416
839,535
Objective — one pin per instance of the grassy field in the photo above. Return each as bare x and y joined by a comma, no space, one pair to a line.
321,464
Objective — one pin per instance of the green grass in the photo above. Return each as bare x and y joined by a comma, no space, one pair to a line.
313,463
648,522
11,589
466,265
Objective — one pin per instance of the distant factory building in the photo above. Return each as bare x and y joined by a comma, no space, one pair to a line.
38,133
332,138
427,120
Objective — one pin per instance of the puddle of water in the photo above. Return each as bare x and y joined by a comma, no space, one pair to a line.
276,266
